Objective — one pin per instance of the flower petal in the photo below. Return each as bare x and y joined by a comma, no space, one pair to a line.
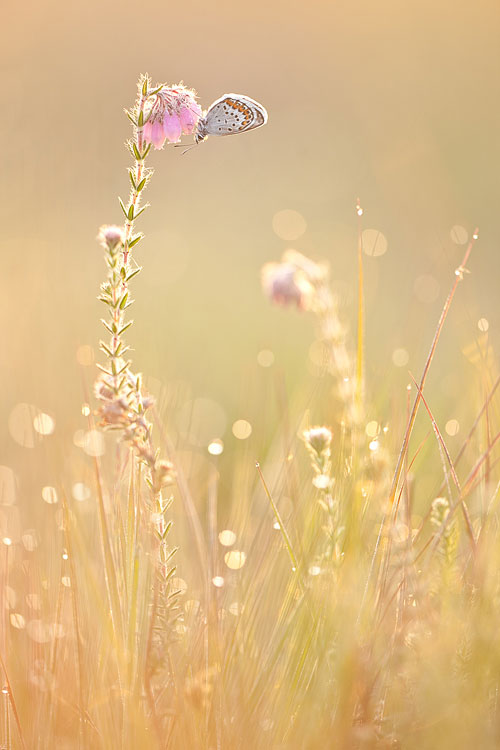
157,134
172,128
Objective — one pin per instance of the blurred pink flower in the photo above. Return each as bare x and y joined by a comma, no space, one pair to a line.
285,285
174,111
110,236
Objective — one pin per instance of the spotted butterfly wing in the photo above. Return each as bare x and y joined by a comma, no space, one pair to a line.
231,114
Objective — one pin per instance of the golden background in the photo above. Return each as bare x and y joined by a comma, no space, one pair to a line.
398,103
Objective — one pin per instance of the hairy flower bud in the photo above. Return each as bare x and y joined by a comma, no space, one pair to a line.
110,236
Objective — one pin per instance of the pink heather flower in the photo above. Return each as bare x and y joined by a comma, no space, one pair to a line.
189,116
173,112
172,127
284,285
110,236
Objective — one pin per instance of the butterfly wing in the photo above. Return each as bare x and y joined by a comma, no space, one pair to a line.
231,114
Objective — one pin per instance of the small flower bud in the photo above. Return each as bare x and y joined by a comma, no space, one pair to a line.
165,472
318,439
110,236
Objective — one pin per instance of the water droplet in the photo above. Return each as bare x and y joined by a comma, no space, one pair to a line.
44,424
235,559
483,324
216,447
227,538
242,429
218,582
93,443
374,243
80,491
452,427
459,234
265,358
372,429
49,494
17,621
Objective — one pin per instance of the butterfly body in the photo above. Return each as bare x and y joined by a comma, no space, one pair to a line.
231,114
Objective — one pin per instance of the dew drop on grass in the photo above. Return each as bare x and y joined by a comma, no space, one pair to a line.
483,324
218,582
314,570
227,538
459,234
265,358
374,243
79,438
39,631
452,427
372,429
49,494
242,429
400,357
93,443
80,491
17,620
33,601
235,559
30,540
216,447
44,424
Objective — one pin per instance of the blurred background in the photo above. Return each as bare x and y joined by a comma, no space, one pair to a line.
397,103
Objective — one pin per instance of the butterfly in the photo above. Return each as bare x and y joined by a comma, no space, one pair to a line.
231,114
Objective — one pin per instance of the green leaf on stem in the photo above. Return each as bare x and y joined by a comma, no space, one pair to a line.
105,349
140,211
135,240
133,273
122,205
124,328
